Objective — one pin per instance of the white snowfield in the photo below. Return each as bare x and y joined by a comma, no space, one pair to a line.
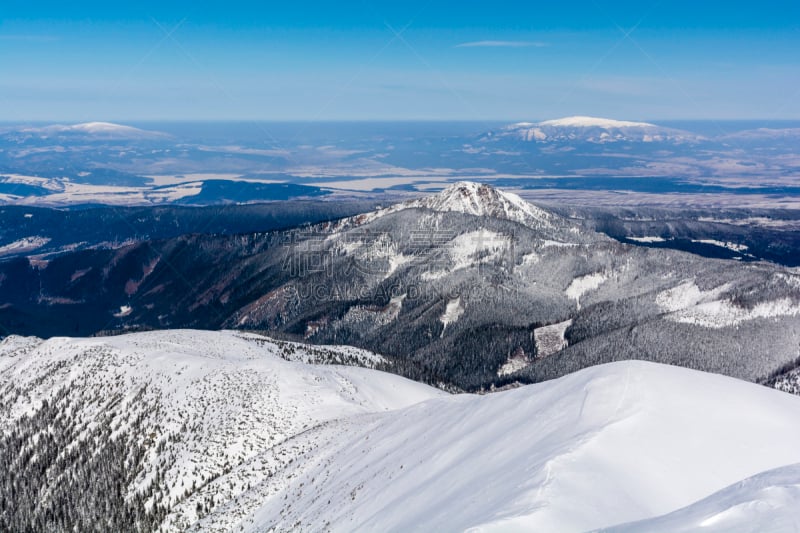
475,247
648,239
583,284
687,304
735,247
286,446
551,339
606,445
765,503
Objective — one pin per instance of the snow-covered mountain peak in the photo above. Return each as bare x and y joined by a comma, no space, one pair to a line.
102,129
480,199
593,130
477,199
594,122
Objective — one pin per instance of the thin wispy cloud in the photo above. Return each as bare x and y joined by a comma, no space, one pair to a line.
503,44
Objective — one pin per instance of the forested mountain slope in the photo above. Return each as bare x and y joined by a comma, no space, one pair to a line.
126,433
472,287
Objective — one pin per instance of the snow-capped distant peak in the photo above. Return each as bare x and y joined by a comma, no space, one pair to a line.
102,127
593,130
95,128
594,122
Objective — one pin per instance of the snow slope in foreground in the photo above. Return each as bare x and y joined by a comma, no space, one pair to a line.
199,403
235,437
766,503
604,446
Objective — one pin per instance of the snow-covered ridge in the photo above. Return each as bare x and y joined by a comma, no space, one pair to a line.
628,441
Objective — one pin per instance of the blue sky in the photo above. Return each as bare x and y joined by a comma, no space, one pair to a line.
399,60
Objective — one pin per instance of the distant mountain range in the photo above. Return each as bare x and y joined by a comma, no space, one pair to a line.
471,288
575,128
99,163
